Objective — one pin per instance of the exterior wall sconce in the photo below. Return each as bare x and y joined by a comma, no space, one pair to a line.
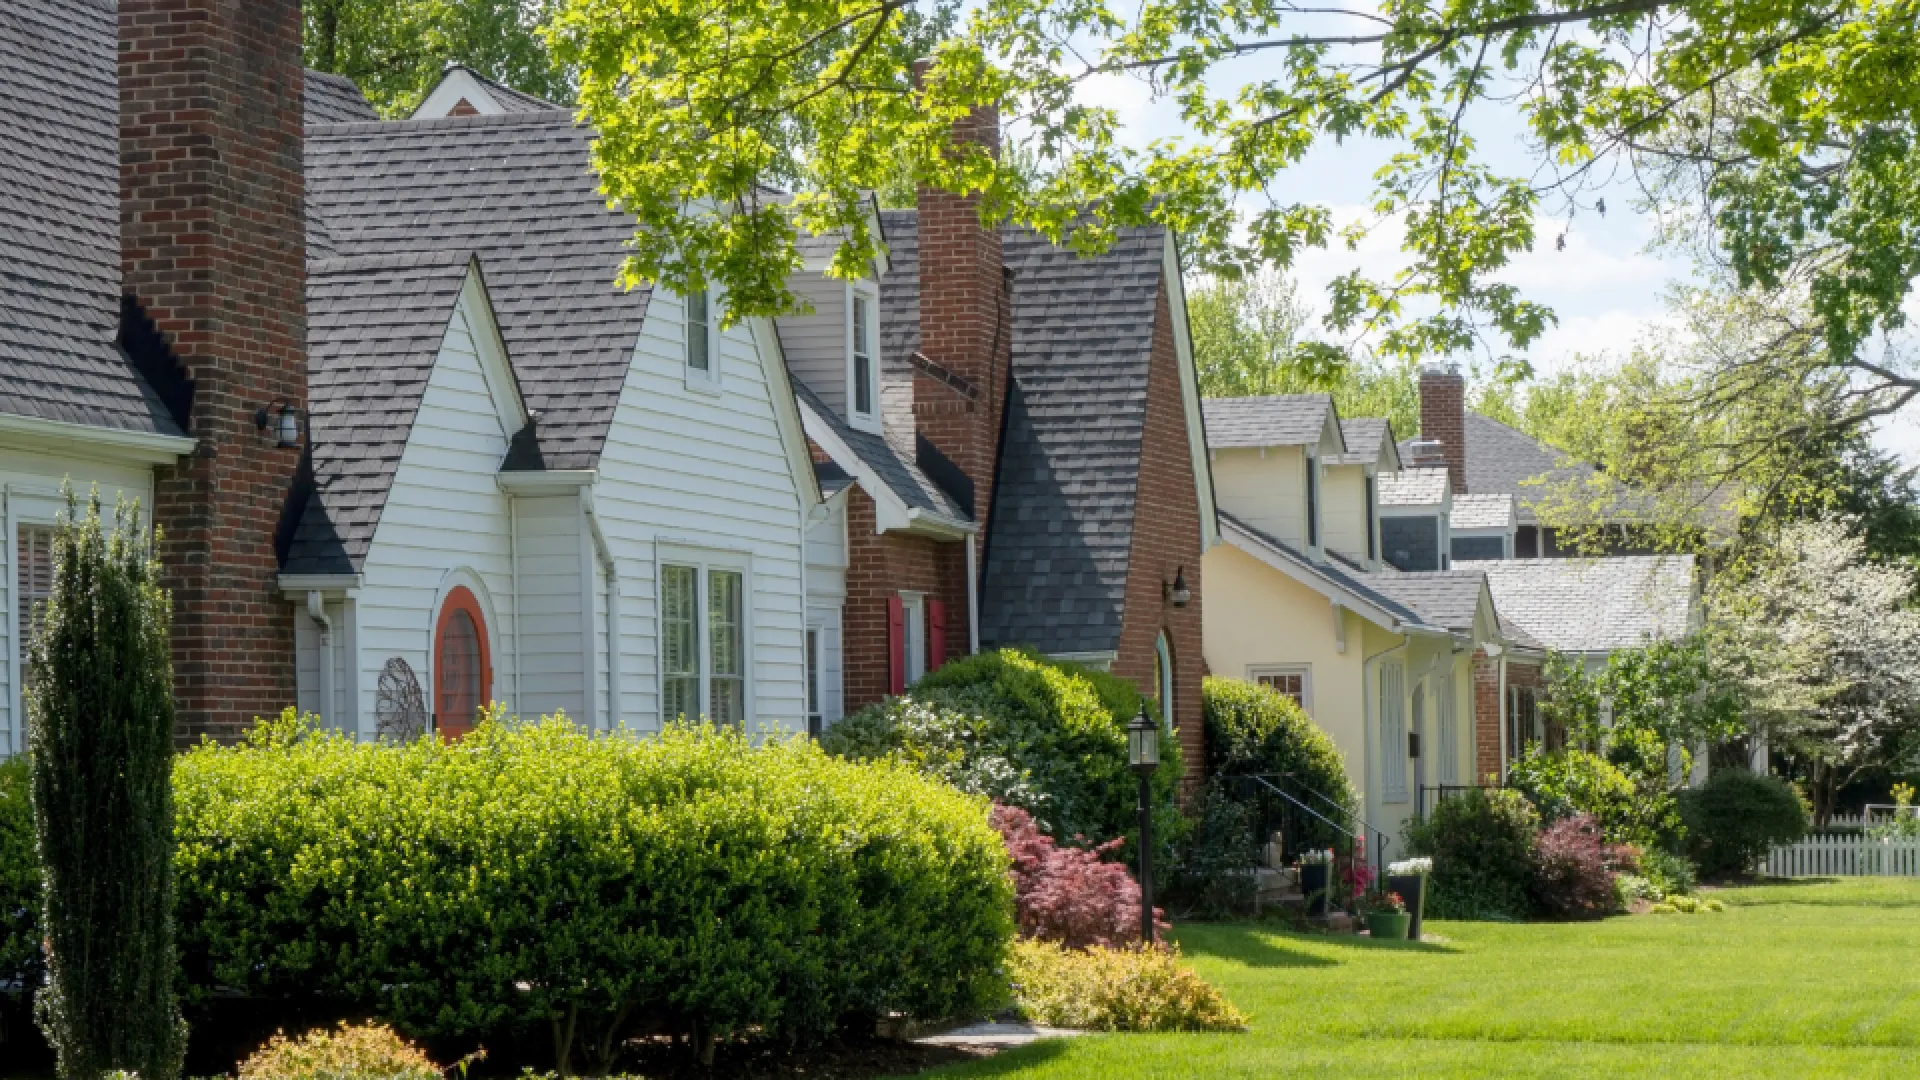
1177,593
285,420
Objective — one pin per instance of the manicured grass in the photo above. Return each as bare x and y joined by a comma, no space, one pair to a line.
1811,979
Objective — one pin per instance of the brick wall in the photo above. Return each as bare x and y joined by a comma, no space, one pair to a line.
1489,716
884,565
1166,542
213,250
1443,416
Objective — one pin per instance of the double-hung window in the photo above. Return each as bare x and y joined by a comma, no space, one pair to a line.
33,583
700,336
703,639
864,373
814,715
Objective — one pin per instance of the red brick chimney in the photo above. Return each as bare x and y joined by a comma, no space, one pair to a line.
966,329
213,251
1443,417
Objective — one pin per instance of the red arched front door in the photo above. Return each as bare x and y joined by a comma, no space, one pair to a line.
462,668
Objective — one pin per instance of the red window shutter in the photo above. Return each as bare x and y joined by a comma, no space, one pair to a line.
896,646
936,634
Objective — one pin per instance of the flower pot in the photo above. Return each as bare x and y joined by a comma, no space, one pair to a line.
1388,925
1413,890
1313,886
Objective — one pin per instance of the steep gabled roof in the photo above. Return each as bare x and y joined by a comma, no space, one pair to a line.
60,222
374,330
1065,496
335,99
1369,441
901,476
517,191
1504,461
1448,598
1596,605
1413,487
1334,578
1278,420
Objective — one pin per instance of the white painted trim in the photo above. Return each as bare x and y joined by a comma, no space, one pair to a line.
1190,392
496,368
93,443
546,481
711,381
342,584
788,414
868,421
889,512
704,559
1366,609
1099,660
457,83
1305,671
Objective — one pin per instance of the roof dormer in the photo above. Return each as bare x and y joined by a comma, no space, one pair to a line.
1415,508
1270,459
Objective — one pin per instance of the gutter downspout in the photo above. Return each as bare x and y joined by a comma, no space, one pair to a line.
513,558
973,597
317,611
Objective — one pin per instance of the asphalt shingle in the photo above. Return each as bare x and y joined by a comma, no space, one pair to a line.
517,191
1413,487
335,99
1446,598
60,222
1594,605
1483,512
902,475
374,329
1369,441
1279,420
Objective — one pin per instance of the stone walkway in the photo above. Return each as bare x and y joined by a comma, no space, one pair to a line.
995,1036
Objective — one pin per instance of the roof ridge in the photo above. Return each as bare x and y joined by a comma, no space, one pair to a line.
529,118
396,260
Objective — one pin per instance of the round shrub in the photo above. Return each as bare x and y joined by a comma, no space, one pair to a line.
1106,989
695,881
1736,817
1256,730
1481,843
1046,736
1573,869
366,1052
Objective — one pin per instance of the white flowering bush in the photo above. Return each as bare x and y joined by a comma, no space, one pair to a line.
940,734
1316,857
1408,867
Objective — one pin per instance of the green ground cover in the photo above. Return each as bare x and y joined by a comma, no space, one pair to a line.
1810,979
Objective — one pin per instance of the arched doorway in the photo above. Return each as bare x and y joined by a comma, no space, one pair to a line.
462,664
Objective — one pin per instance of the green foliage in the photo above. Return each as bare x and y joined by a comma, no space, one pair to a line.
1736,817
1115,989
1671,873
1255,730
1569,782
1481,843
20,900
1211,875
100,725
1019,726
349,1052
397,49
537,873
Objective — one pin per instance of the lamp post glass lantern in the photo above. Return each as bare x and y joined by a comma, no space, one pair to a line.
1143,756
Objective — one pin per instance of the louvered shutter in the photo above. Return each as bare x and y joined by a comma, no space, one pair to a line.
936,634
896,645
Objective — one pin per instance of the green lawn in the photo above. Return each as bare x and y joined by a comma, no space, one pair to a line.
1797,980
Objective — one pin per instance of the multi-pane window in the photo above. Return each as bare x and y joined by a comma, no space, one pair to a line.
813,681
34,583
1291,683
703,644
728,687
700,332
1521,712
680,642
863,367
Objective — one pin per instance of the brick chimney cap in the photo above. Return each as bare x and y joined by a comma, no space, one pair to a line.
1439,369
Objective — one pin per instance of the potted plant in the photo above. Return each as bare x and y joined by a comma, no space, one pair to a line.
1315,872
1387,917
1408,877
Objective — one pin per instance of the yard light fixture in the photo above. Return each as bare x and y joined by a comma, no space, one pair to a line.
286,425
1143,757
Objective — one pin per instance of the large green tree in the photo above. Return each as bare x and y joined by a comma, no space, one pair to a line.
100,734
396,49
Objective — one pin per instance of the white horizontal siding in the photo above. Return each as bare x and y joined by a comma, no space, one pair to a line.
1266,489
816,344
30,495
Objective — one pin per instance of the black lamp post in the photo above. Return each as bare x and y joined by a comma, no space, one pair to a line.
1143,756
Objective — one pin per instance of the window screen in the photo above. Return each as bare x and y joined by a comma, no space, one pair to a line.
1313,503
680,643
813,681
862,357
1372,500
699,331
725,589
1412,543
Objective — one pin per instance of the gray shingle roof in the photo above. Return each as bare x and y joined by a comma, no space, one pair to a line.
511,100
1413,487
1061,529
1447,598
899,318
1367,437
1335,572
60,221
1594,605
335,99
1280,420
1483,511
516,190
1500,460
374,329
902,475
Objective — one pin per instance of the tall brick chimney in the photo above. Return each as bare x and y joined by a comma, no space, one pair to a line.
1443,417
213,252
966,325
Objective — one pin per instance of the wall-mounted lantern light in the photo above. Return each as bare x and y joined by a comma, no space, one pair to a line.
285,420
1177,593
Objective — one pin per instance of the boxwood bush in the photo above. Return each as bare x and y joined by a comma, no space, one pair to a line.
1737,817
1256,730
1047,736
1482,846
538,875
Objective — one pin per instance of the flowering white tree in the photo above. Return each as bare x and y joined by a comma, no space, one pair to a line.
1825,644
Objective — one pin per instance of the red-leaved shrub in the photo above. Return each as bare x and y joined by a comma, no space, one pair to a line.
1069,895
1573,868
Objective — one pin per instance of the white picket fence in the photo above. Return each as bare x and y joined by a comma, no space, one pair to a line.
1845,856
1877,814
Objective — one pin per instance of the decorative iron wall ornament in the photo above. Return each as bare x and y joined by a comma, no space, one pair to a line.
401,709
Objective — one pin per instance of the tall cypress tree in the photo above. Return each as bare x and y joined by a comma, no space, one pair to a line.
100,716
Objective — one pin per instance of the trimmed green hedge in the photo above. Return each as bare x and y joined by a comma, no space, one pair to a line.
696,882
1737,817
1047,736
1256,730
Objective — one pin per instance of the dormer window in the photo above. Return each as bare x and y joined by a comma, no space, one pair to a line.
1313,502
1373,500
700,335
864,375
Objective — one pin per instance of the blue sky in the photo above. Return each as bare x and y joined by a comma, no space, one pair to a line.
1606,286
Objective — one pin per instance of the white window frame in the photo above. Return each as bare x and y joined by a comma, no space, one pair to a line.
1305,671
813,646
696,379
1163,658
868,421
704,562
913,624
35,508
